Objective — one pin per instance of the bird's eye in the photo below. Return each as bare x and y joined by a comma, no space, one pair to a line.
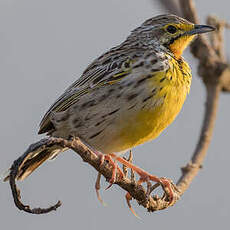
171,29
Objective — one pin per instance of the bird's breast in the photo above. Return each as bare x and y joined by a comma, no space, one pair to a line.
165,96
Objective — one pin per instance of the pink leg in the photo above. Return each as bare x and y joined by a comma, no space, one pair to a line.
113,178
128,198
115,169
97,187
145,177
104,157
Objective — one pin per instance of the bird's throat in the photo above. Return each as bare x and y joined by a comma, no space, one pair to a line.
179,45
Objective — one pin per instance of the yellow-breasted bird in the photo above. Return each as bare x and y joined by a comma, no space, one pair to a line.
127,96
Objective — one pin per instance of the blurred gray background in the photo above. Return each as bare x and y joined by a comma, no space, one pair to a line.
44,46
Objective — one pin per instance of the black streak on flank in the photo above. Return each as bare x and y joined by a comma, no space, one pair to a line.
129,84
108,114
75,120
147,98
63,118
131,107
88,104
88,118
111,90
132,96
162,79
156,70
113,111
96,134
154,91
103,97
139,82
142,80
77,123
100,122
150,76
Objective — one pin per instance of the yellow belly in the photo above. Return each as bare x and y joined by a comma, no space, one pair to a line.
148,123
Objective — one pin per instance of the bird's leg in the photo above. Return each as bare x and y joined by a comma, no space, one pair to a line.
101,156
115,169
97,188
114,172
145,177
110,160
125,168
128,197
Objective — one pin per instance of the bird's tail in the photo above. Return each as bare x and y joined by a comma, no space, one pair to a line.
35,155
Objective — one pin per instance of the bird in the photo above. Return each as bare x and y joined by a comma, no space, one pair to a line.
125,97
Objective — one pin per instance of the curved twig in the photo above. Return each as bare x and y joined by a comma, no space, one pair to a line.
15,190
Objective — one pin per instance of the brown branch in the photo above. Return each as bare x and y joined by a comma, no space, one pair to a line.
225,80
217,38
137,191
15,190
190,171
217,43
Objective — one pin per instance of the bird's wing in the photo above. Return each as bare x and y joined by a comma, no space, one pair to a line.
107,69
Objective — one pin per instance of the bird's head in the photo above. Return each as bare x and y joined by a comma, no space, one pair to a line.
169,32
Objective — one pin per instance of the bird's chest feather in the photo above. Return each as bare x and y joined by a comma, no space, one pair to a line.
165,95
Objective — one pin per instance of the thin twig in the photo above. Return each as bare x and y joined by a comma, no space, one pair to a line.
15,190
217,38
190,171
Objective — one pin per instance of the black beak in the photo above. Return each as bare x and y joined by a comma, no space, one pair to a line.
199,29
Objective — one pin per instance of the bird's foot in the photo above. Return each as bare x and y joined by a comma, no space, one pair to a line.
97,188
116,169
166,184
